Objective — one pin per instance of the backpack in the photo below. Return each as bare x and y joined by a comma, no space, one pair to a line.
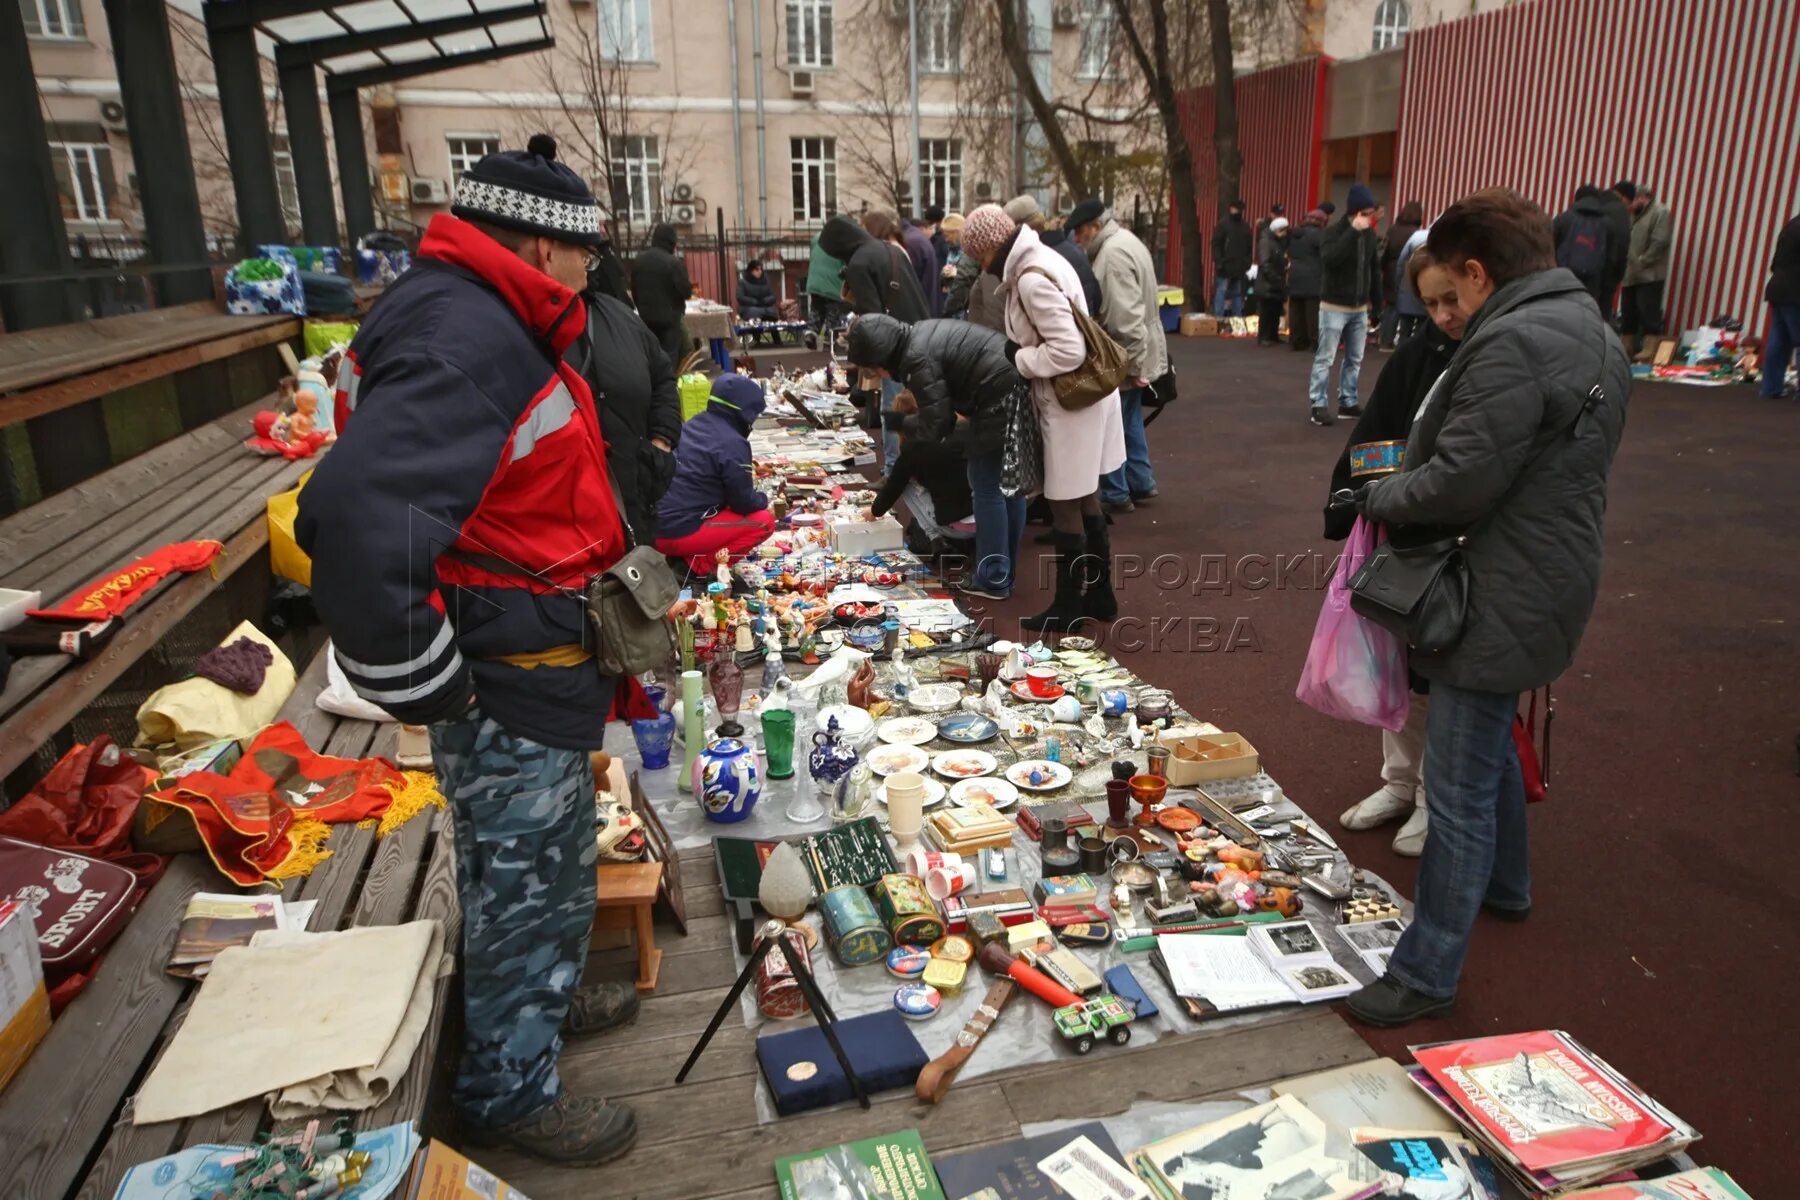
1583,246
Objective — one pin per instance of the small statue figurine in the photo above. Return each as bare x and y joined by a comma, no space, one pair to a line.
861,688
905,678
777,695
722,572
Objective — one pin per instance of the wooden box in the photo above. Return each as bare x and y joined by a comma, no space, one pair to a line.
1198,758
1199,325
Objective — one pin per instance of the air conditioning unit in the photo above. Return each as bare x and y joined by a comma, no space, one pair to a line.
801,82
683,193
681,214
112,115
1065,16
429,189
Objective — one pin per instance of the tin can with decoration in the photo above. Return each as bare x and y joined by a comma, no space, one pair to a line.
908,909
778,994
853,927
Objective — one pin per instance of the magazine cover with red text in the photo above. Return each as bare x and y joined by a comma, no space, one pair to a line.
1541,1098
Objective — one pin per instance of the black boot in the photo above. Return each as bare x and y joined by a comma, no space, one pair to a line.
1095,572
1065,608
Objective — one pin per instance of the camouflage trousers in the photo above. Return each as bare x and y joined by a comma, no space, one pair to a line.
525,856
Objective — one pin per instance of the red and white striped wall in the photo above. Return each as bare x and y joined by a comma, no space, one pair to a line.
1699,99
1281,117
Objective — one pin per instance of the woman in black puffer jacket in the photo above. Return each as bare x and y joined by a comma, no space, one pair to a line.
957,369
755,298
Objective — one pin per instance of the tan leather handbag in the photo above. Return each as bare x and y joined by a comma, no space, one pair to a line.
1103,370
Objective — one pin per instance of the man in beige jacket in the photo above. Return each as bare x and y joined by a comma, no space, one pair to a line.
1646,271
1128,311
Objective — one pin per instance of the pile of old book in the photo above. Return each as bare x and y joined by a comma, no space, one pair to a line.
1553,1115
961,830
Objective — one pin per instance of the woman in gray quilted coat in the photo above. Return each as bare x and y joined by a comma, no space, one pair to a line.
1511,450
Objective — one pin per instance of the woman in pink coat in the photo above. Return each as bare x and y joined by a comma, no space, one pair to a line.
1038,286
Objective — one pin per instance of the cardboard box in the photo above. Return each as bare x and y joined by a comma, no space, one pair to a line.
857,538
1198,758
1198,325
24,1004
440,1173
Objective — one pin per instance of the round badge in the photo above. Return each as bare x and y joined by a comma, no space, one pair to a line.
800,1072
956,948
917,1001
907,962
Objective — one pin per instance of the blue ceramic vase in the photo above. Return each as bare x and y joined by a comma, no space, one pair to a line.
730,783
831,759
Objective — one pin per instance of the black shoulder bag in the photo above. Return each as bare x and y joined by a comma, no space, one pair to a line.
1422,592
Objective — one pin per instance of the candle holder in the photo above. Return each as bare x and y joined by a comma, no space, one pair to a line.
1118,807
1148,791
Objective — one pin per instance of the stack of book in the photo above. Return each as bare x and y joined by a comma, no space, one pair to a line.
215,921
1270,1152
1553,1115
968,830
1073,814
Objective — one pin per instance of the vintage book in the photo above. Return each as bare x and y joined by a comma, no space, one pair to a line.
216,921
1374,1093
1428,1165
1297,956
893,1166
1011,1169
1269,1152
1073,812
1701,1183
1011,906
1373,941
1543,1101
1224,972
1066,889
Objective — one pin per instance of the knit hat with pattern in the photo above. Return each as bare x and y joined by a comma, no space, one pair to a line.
528,190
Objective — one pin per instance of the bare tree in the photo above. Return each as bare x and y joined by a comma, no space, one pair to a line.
1017,52
877,144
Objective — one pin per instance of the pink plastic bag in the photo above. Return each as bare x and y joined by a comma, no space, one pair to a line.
1355,669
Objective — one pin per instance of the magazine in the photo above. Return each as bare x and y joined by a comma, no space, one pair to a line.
1274,1151
215,921
893,1166
1429,1165
1224,971
1541,1100
1378,1092
1701,1183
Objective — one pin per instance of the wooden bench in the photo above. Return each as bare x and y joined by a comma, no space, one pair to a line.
44,370
202,484
65,1119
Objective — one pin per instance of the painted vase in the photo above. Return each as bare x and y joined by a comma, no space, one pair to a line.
730,783
831,758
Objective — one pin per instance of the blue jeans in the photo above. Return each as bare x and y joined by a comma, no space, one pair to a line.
1134,478
1353,328
1232,288
1477,849
999,524
1784,339
890,437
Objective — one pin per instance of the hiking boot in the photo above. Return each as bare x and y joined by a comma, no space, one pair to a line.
1118,506
1065,609
570,1131
1145,497
1349,412
1094,572
599,1007
1387,1003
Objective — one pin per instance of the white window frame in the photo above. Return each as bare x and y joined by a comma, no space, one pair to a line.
80,156
464,150
635,160
58,20
940,37
811,38
941,173
1098,33
815,195
627,33
1393,19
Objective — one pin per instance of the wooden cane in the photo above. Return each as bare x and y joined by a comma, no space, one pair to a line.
941,1071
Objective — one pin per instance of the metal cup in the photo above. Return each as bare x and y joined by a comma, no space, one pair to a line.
1093,854
1159,761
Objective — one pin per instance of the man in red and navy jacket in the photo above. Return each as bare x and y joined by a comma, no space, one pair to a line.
472,460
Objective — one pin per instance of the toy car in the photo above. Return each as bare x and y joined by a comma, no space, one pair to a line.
1104,1016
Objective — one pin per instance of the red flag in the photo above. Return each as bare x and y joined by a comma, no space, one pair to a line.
112,594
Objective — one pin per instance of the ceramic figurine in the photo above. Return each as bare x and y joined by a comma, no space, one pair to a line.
730,783
1015,662
779,694
834,670
905,678
861,688
1095,726
1133,734
853,794
831,757
774,673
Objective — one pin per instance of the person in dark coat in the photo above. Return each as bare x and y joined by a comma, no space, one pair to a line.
712,503
755,298
1306,276
1231,249
1618,203
1271,281
640,409
606,274
1024,210
1582,234
1783,295
1350,253
1511,453
878,278
884,225
932,476
1412,216
958,372
659,283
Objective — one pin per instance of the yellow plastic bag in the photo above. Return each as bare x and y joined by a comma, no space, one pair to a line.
286,558
695,391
